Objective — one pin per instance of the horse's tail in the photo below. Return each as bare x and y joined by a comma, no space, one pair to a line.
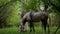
50,21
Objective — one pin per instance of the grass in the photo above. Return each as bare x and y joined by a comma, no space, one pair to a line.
15,30
12,30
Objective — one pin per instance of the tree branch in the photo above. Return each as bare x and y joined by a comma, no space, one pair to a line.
54,6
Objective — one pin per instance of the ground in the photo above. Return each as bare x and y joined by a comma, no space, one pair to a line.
15,30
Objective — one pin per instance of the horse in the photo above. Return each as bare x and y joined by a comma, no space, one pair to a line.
31,17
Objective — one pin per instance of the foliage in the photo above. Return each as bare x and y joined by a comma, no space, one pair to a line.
14,17
8,12
30,4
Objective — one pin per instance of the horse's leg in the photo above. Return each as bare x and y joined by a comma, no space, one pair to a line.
45,28
44,23
32,27
42,29
48,29
31,22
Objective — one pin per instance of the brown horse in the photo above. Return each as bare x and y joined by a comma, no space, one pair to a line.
31,17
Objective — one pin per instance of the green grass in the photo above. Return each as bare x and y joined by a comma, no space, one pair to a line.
12,30
15,30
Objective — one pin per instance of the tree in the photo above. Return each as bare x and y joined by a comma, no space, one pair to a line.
7,8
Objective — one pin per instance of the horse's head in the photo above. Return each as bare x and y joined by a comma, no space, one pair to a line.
21,28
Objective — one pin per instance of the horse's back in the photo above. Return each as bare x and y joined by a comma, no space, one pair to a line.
36,16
